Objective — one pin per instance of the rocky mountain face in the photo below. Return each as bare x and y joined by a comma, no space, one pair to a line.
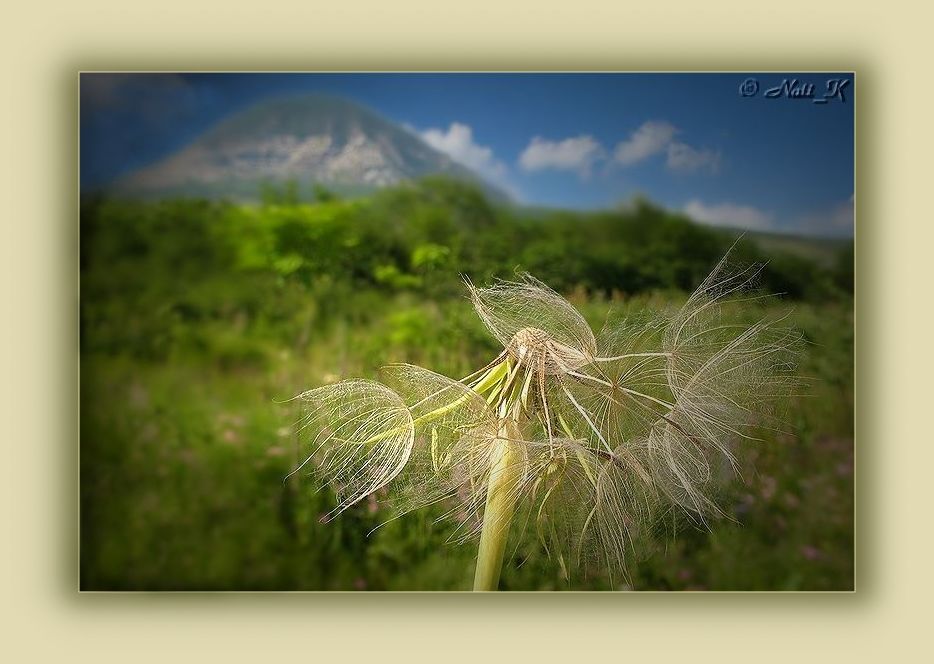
311,139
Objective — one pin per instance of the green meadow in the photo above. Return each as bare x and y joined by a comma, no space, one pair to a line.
199,320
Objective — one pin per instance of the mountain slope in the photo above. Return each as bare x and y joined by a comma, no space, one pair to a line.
310,139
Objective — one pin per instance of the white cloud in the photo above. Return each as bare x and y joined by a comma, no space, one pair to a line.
571,154
654,137
457,142
729,214
649,139
683,158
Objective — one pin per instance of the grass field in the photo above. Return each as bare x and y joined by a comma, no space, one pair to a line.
188,354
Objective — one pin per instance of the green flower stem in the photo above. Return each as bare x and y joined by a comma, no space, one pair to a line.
500,508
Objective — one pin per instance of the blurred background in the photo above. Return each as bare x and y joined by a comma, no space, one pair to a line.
245,237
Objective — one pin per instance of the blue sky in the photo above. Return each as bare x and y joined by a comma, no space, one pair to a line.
690,142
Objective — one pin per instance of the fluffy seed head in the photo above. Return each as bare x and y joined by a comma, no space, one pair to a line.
598,442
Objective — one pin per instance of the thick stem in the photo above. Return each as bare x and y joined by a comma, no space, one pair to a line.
501,497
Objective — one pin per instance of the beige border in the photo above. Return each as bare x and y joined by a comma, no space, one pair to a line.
44,619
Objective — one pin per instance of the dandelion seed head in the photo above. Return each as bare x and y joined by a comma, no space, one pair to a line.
598,436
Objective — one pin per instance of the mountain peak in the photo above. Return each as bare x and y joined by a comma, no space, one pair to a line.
309,138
